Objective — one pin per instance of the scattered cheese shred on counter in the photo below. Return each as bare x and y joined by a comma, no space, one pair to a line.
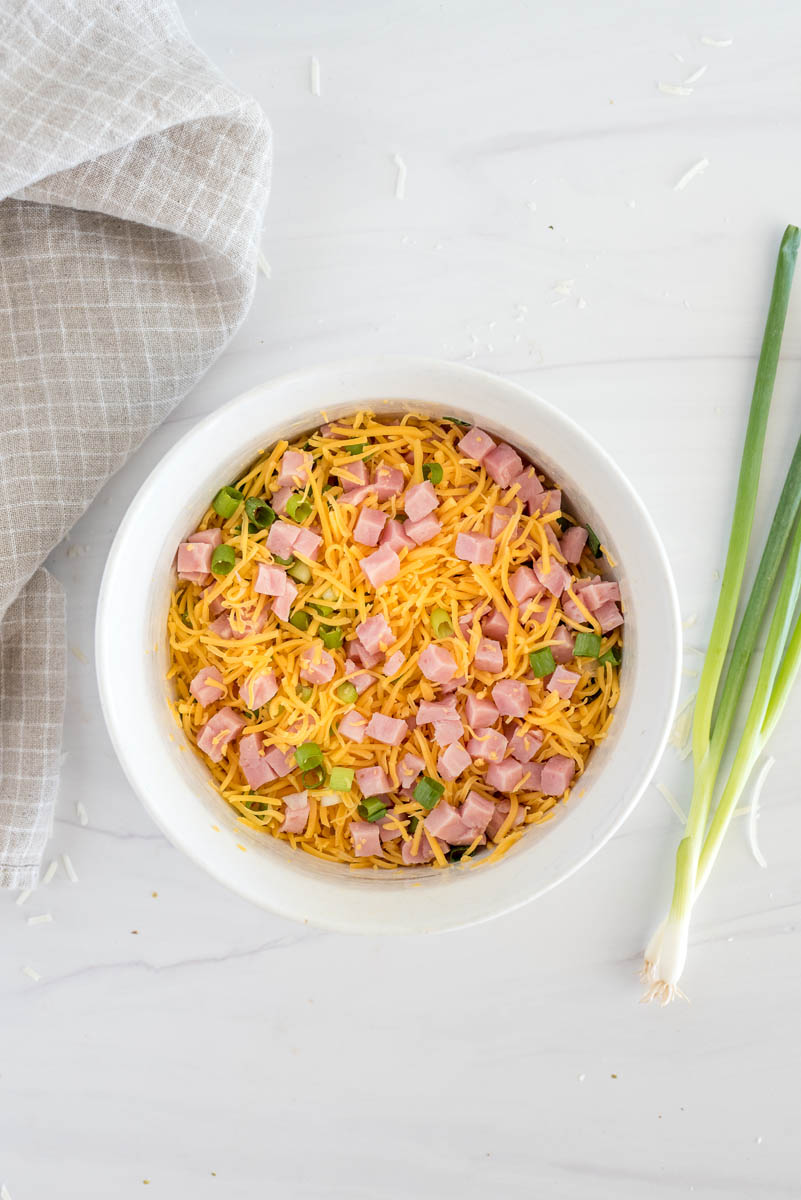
364,654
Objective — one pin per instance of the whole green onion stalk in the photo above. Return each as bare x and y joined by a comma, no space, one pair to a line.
666,953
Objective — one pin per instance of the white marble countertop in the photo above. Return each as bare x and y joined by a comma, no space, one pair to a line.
182,1040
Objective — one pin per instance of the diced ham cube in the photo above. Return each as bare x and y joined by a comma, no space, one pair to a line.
474,548
253,762
452,761
525,585
500,815
281,761
552,539
281,538
524,743
278,501
444,822
366,837
437,664
563,682
374,634
368,527
532,779
555,579
353,726
593,595
387,482
488,656
476,812
495,625
424,852
529,488
308,544
572,543
586,582
502,464
447,732
608,616
294,469
207,686
389,825
409,767
550,501
487,744
353,476
215,735
422,531
396,537
476,444
215,605
357,495
365,658
316,664
419,500
212,537
270,580
562,645
453,685
480,712
393,663
221,626
571,609
360,679
194,561
389,730
258,689
505,776
429,711
297,812
282,605
381,566
501,516
373,781
512,697
557,775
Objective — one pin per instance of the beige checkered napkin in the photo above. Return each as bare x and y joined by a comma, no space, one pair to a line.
133,179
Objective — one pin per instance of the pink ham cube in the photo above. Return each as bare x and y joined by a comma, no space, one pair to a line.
555,579
549,502
393,663
487,744
215,735
593,595
409,768
387,482
353,475
215,605
480,712
563,682
429,711
573,542
282,605
608,616
524,743
258,689
368,527
357,495
452,761
495,625
374,634
316,664
307,544
532,778
474,548
296,812
212,537
529,488
423,854
419,500
353,726
499,817
281,538
562,645
270,580
278,502
373,781
571,609
557,775
447,732
360,679
207,686
501,516
294,469
365,658
525,585
194,561
488,656
253,762
505,776
422,531
476,812
476,444
512,698
453,685
502,464
396,537
366,837
221,626
437,664
281,761
444,822
389,730
380,567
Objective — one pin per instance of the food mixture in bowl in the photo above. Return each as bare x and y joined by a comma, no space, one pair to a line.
391,645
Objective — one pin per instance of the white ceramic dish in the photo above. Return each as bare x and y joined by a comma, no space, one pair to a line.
174,784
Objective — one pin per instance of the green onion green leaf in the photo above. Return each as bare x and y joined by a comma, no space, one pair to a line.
542,662
441,623
300,619
259,513
299,572
593,541
372,809
347,692
222,560
227,501
341,779
588,645
433,471
308,755
428,791
331,637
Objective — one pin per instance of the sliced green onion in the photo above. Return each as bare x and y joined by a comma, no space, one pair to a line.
610,657
428,791
313,778
330,593
357,448
542,662
441,623
588,645
331,637
372,809
300,572
222,560
259,512
285,562
347,692
456,853
308,755
227,501
563,523
593,541
297,508
413,823
341,779
304,691
322,609
458,421
433,471
300,619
